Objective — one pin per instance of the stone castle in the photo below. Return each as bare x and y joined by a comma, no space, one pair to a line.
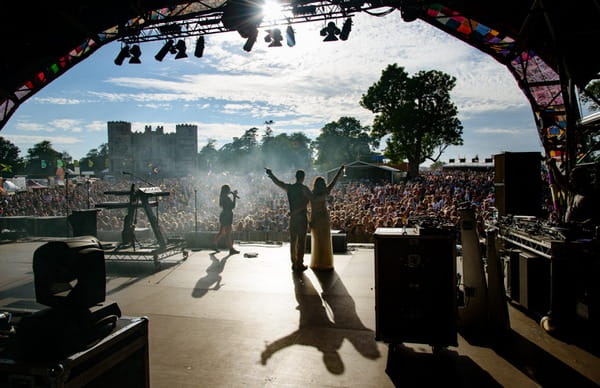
142,153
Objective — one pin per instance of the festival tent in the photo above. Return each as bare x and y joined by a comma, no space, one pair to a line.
363,170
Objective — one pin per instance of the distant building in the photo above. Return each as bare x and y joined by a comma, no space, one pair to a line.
152,151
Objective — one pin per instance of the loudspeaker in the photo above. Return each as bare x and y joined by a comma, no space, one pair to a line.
518,183
83,222
415,288
339,243
70,273
534,283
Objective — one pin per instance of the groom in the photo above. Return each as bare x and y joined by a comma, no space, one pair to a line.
298,197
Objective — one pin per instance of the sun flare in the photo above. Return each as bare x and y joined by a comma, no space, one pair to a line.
272,11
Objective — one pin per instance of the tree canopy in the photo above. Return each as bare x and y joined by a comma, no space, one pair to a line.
10,161
95,159
417,114
343,141
42,159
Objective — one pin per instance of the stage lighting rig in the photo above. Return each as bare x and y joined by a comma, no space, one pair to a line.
346,28
409,10
199,51
244,16
124,53
290,36
330,32
168,47
274,37
135,53
181,47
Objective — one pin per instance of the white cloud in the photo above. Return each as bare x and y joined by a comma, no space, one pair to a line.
504,131
96,126
67,124
28,139
58,100
29,126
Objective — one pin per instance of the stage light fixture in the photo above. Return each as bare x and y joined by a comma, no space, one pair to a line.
290,36
164,50
409,10
274,37
124,53
330,32
251,40
243,16
135,53
199,51
346,28
181,47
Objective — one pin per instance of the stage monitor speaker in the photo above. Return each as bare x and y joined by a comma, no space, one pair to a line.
83,222
518,183
534,283
70,273
415,288
339,242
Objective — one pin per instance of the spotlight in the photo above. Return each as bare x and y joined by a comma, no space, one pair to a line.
274,36
199,51
252,35
181,47
164,50
346,28
124,53
330,32
290,36
135,52
409,10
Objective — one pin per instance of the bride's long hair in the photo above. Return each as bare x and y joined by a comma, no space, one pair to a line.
319,186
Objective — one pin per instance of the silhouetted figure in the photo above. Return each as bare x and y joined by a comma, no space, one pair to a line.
298,197
226,218
320,228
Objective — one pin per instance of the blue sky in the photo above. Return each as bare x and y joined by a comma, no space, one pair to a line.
301,89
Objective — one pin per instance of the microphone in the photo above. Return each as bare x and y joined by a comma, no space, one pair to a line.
235,194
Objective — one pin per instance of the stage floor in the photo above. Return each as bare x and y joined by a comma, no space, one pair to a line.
219,320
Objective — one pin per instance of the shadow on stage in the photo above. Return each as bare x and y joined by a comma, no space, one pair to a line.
326,330
409,368
538,364
212,280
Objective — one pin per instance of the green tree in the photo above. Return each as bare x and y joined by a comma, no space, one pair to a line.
416,112
10,161
343,141
41,159
208,156
241,155
95,159
285,151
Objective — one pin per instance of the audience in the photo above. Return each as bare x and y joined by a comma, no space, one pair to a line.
356,207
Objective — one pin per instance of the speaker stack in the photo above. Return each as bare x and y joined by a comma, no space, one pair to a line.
518,183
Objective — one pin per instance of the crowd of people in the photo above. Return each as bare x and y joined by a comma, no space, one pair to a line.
356,207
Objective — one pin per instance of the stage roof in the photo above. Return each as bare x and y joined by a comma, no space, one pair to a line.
539,42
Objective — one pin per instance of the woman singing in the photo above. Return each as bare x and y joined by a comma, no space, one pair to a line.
322,251
226,218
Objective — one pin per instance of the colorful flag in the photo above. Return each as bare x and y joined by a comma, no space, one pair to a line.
90,163
5,167
59,163
44,164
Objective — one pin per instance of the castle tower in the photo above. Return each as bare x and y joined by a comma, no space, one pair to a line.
119,146
186,144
